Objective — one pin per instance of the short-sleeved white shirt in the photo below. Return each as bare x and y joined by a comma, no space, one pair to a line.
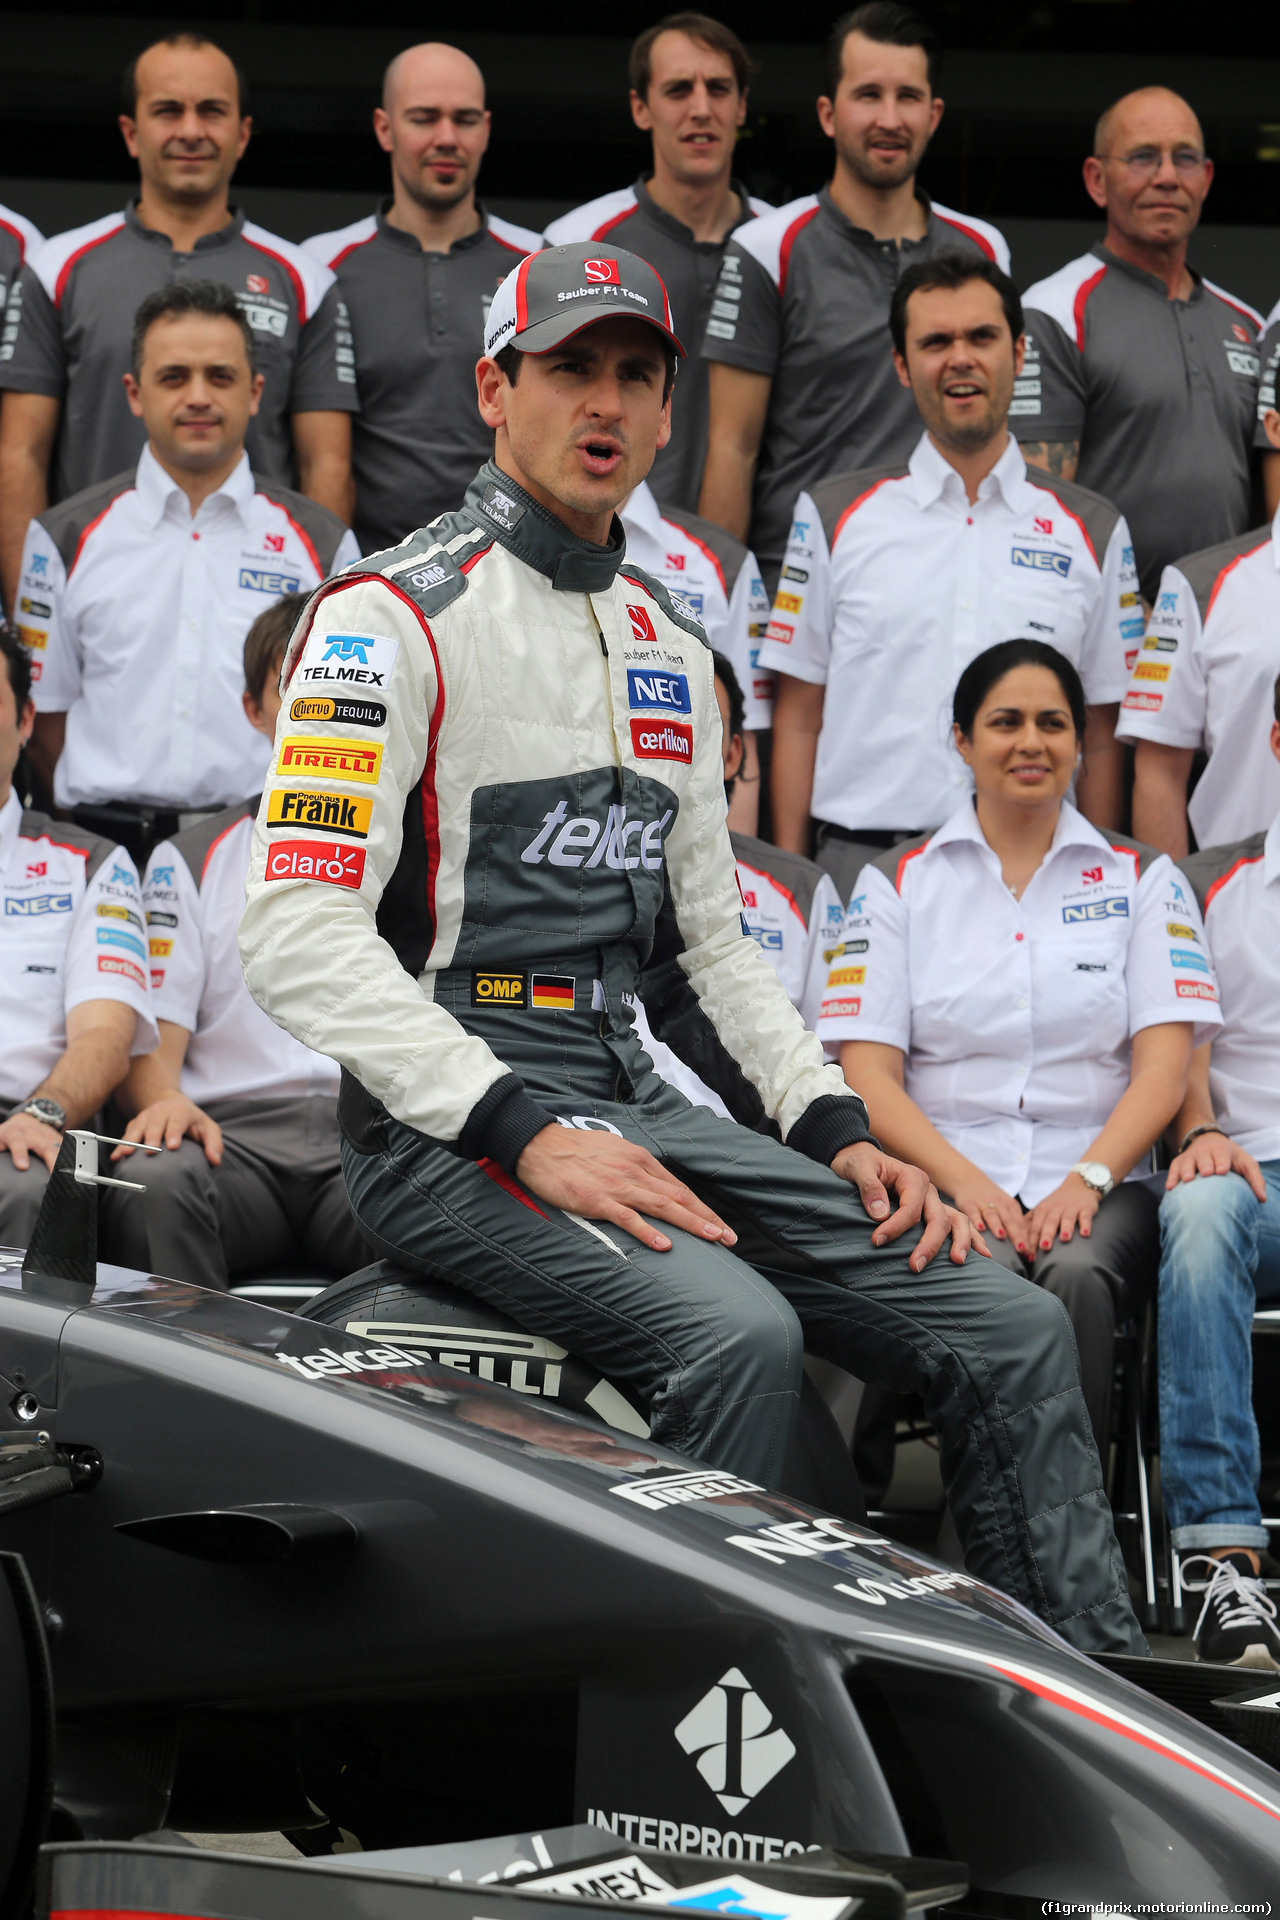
1015,1017
893,582
193,910
797,935
717,577
1204,673
72,930
1242,915
136,631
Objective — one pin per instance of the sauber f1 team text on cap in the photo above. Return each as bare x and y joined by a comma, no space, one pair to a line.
554,294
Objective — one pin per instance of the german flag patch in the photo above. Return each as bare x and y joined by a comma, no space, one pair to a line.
551,990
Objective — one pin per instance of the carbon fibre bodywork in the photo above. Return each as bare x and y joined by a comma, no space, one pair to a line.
325,1580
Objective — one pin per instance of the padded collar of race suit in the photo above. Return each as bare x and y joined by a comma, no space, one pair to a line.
534,535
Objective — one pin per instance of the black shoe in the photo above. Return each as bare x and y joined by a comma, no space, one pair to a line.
1237,1624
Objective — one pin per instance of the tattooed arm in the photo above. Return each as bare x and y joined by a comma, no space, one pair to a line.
1058,457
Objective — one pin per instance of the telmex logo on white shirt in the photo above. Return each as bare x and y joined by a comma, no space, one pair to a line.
583,842
348,660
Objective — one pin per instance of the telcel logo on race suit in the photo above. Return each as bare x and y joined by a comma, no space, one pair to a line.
348,813
580,841
673,740
658,690
336,866
349,659
331,759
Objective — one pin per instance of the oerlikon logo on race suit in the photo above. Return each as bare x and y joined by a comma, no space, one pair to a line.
662,740
602,272
733,1741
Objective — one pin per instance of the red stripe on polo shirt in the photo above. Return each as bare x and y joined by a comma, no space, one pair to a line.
215,844
970,233
1084,531
853,506
614,220
99,240
98,518
789,239
1082,300
1230,568
299,291
778,887
904,862
703,549
1245,860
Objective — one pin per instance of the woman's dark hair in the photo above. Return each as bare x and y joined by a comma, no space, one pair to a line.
989,668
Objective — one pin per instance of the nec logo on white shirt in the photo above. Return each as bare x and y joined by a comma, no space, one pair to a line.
1042,560
348,660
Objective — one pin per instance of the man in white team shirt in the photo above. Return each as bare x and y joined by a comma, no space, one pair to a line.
718,578
896,577
247,1114
790,907
1204,671
73,984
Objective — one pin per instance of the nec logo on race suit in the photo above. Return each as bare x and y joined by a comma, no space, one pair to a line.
602,273
619,843
670,690
348,659
1042,560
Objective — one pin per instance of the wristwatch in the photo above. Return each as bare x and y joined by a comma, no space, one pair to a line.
47,1110
1095,1176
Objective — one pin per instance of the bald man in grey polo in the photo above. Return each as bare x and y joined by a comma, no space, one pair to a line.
418,322
1159,394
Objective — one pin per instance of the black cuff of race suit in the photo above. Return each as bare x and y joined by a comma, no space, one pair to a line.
828,1124
502,1123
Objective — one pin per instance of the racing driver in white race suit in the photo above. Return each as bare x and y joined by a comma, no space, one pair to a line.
496,811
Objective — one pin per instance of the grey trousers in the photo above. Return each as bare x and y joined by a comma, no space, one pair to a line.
1100,1281
278,1197
20,1193
713,1341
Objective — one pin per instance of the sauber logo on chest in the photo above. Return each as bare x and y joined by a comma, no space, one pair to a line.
620,842
332,759
641,625
658,690
672,740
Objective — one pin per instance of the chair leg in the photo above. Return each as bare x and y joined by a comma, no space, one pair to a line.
1151,1610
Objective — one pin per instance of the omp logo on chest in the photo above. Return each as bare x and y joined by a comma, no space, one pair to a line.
33,905
348,659
1042,560
1116,908
618,842
346,813
670,690
331,759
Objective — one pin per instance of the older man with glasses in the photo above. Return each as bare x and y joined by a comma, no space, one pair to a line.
1141,376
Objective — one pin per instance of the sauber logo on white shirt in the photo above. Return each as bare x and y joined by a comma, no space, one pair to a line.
579,841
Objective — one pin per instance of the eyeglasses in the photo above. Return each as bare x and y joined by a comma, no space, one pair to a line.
1144,162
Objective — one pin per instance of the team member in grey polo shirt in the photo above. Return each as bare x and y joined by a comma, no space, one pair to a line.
417,278
18,238
66,424
802,383
1141,377
689,92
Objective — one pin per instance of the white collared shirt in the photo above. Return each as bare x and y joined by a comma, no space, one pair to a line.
1015,1017
1242,914
1204,673
71,931
893,582
717,578
235,1052
136,630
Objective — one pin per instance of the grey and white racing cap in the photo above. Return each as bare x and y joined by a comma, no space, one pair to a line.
552,295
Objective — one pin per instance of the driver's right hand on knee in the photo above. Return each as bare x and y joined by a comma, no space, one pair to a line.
604,1177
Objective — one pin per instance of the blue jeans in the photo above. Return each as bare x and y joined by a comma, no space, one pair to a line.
1220,1255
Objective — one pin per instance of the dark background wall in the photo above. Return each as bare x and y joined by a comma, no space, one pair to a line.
1023,86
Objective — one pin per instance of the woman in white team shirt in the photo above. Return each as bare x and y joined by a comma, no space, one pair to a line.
1017,1000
